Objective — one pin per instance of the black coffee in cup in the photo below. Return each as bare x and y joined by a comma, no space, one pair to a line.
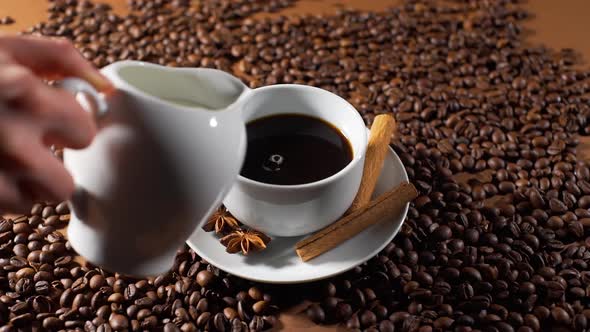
291,149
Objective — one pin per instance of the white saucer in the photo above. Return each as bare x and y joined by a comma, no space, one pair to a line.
280,264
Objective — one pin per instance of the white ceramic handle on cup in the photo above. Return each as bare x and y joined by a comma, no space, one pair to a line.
79,87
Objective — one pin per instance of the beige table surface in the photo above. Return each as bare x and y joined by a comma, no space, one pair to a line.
555,23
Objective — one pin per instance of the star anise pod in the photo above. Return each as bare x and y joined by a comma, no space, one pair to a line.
245,241
221,221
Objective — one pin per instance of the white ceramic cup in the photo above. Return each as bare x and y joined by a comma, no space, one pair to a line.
293,210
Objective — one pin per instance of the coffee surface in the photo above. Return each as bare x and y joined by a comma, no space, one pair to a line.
291,149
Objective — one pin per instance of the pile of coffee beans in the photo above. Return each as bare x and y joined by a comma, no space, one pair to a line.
488,128
44,286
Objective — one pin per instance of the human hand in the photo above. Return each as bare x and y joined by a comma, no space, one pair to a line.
34,115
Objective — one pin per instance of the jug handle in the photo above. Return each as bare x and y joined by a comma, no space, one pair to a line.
94,103
87,96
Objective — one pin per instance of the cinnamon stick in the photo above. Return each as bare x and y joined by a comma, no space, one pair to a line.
382,129
383,207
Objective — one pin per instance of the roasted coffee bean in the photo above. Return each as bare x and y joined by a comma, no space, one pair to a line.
132,312
238,326
316,313
35,221
21,250
116,298
220,322
52,323
19,308
204,278
190,327
580,322
118,322
584,202
104,328
103,311
149,322
442,233
343,311
353,322
560,316
242,296
203,319
42,287
532,322
230,313
5,226
203,305
22,228
259,307
97,281
48,211
142,314
443,323
386,326
169,327
257,324
368,318
62,208
329,305
25,272
557,206
255,294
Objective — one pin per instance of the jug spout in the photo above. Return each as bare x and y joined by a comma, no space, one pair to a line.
200,88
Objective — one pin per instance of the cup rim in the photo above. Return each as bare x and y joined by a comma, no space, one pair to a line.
341,173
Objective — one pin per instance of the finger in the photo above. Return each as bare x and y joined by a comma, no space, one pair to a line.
15,137
54,181
15,80
36,171
52,58
5,58
17,134
68,124
48,176
61,117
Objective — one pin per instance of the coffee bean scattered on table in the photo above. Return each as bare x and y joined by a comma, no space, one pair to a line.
505,248
7,20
